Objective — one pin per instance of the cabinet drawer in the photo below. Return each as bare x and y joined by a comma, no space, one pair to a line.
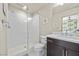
54,50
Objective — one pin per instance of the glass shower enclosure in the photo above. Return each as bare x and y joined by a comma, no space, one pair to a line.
22,31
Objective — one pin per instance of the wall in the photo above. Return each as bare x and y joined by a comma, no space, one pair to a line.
57,17
45,20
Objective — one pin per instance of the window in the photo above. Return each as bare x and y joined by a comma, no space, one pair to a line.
69,24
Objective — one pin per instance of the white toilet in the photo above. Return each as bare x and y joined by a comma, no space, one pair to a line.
40,48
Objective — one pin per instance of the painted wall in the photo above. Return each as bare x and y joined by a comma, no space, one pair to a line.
45,20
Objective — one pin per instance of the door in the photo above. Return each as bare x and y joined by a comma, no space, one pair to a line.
16,32
54,50
72,52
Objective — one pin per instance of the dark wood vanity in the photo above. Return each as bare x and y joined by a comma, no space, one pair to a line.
56,47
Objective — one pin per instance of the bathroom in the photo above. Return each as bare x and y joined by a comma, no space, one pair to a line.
28,29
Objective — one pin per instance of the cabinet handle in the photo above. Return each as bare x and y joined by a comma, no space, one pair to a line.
6,24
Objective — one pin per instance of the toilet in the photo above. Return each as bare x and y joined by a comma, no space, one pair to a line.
40,48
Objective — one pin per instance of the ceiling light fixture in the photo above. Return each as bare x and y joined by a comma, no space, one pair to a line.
59,3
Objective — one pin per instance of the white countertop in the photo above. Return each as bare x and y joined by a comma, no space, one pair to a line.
73,39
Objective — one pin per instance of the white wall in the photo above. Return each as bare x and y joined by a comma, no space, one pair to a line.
45,20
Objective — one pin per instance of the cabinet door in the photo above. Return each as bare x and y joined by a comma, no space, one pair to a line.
54,50
72,52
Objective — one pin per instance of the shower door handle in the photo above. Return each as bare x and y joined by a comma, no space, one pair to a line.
4,10
5,24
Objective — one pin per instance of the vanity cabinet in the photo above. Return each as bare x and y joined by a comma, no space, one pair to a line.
56,47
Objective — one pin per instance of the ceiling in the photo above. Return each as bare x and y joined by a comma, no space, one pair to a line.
64,7
34,7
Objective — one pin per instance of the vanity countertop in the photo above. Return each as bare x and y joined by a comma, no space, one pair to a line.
68,38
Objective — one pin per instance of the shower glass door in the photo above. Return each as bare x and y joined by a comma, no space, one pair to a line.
16,32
